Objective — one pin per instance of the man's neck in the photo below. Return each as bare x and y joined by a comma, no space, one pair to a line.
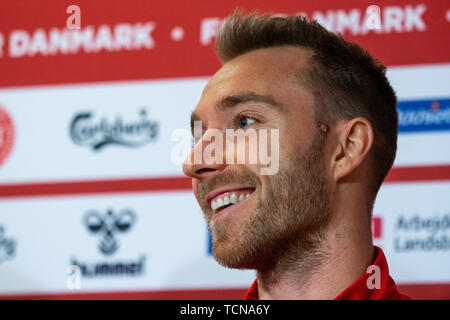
341,258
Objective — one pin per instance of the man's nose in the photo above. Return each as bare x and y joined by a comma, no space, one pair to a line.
207,157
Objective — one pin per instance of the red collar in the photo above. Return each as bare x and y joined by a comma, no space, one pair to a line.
359,290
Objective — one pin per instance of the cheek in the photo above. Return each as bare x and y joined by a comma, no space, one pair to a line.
287,146
195,189
292,144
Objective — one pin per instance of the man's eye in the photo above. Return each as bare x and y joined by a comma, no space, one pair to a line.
245,121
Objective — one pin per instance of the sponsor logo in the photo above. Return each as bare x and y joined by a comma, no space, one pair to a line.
6,135
424,115
209,244
97,133
110,269
7,246
421,233
107,226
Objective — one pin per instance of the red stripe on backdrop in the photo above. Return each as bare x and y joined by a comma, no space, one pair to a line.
416,291
197,294
417,32
418,174
93,187
180,183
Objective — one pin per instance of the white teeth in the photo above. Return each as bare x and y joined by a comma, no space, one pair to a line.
226,200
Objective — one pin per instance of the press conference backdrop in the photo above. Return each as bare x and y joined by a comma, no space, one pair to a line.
91,203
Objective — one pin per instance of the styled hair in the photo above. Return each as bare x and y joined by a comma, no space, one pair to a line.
345,80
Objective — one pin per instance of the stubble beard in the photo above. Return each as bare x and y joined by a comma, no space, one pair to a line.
288,221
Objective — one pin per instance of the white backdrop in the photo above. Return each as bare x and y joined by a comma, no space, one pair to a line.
45,172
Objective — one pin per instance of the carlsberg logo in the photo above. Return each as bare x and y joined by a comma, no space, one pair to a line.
97,133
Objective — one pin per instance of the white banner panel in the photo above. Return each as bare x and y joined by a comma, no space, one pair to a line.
415,230
97,131
128,241
115,130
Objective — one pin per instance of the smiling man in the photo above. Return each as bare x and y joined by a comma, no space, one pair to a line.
306,229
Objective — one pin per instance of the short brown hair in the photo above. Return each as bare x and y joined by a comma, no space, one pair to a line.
346,81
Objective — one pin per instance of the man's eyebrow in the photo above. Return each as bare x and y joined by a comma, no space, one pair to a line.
235,99
230,101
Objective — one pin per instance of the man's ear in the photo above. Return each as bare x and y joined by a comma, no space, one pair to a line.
354,141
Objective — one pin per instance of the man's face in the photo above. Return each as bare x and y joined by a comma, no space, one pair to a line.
269,215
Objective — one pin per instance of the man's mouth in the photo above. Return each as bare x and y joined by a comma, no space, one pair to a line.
223,199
